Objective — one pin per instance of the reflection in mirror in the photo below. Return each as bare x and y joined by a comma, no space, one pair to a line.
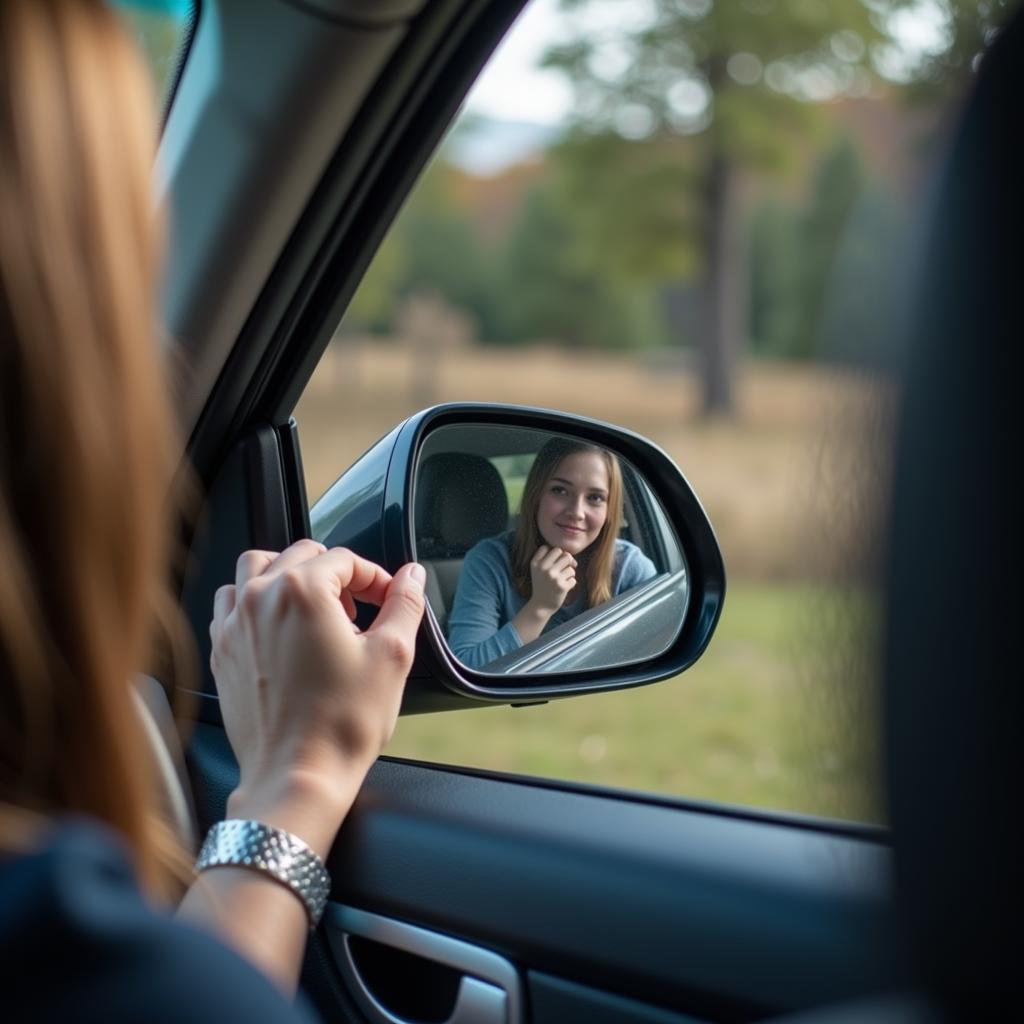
544,553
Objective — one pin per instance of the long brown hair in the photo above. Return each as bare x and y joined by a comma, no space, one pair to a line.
86,440
598,562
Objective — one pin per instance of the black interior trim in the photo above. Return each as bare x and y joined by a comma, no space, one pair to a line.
710,915
557,1001
294,479
861,831
245,507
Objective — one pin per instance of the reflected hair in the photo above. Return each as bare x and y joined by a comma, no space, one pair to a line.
598,561
87,444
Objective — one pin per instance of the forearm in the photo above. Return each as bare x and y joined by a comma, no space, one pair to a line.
252,912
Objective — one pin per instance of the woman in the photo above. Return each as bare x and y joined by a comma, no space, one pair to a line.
565,556
86,459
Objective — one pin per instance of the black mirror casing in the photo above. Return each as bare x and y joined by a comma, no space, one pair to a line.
370,510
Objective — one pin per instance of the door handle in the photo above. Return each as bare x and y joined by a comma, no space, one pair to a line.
489,991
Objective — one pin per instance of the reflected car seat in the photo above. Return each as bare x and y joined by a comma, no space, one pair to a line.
460,500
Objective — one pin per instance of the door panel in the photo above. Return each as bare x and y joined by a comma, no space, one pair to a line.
683,907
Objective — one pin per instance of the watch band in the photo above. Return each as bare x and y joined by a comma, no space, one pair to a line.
272,852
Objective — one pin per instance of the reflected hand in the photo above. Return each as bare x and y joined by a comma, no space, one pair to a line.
552,576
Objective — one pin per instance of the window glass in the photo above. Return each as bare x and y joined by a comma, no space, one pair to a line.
513,470
691,220
162,29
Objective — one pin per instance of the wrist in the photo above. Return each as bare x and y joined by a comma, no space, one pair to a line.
304,804
271,852
539,611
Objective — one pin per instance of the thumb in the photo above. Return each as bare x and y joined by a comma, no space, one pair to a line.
400,614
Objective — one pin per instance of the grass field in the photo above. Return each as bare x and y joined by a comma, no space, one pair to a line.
757,721
778,713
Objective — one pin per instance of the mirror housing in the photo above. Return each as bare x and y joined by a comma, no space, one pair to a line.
370,509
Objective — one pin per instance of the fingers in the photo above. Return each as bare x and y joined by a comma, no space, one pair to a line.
223,605
347,571
400,614
551,559
294,555
341,571
251,564
556,559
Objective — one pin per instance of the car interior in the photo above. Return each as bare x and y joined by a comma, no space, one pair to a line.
295,130
460,501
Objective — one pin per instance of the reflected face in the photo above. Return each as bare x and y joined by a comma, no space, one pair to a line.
574,502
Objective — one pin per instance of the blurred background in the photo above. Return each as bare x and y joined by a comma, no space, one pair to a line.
696,219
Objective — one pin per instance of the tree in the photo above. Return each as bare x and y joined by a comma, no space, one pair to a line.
431,248
837,185
555,288
844,234
727,82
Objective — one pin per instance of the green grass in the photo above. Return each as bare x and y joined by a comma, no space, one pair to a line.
779,713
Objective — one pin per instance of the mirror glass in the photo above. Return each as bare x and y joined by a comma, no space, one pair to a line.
544,553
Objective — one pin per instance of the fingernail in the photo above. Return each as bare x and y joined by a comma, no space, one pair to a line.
418,574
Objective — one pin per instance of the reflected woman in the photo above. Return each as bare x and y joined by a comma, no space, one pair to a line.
564,557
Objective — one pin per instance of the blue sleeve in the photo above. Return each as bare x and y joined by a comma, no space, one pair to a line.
478,632
79,943
634,567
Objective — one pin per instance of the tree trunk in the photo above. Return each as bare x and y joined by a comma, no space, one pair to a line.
724,308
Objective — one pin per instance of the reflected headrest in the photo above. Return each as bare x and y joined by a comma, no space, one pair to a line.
460,500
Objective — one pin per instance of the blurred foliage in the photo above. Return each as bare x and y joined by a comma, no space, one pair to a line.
433,247
535,282
735,87
968,27
618,222
842,232
560,273
605,243
557,288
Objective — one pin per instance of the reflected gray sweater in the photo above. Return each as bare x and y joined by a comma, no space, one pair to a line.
480,626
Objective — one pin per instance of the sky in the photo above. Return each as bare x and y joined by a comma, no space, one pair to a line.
513,88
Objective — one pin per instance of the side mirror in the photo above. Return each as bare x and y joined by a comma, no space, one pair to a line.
563,555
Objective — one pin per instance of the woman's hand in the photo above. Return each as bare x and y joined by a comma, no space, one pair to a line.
308,700
552,576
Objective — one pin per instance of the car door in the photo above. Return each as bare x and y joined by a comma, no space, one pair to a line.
458,894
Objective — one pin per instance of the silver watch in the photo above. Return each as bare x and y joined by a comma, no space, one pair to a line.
272,852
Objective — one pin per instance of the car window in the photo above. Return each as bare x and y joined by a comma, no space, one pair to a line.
692,220
162,29
513,469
